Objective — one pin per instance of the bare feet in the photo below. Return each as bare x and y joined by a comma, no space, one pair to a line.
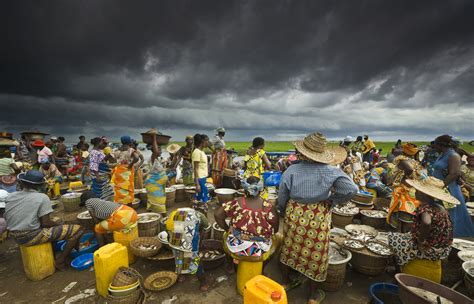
206,284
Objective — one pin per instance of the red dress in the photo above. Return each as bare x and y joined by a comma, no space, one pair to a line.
251,223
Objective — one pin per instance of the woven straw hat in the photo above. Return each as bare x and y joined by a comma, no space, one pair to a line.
314,147
433,187
173,148
339,154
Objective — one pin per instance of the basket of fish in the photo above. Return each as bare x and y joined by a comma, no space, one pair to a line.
211,253
468,268
336,273
374,218
342,215
378,248
145,246
361,232
148,224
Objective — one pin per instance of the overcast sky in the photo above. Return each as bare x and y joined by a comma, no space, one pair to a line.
280,69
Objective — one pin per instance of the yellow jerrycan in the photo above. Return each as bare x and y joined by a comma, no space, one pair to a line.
107,260
125,238
263,290
38,261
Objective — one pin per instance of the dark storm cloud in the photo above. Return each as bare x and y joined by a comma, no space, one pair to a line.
291,66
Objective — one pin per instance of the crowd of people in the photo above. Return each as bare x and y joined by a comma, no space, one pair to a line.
315,178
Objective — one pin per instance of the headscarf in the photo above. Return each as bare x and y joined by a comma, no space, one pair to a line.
253,189
107,150
126,140
409,149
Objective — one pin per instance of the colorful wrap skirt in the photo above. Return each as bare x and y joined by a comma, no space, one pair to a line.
102,189
219,162
155,186
306,244
44,235
123,183
124,218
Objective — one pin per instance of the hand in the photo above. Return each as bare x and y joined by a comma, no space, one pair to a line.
198,188
423,245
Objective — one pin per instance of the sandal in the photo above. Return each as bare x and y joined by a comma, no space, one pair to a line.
317,297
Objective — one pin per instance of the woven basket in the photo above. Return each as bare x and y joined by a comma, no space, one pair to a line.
136,203
180,194
170,196
340,220
363,198
160,280
145,253
71,202
381,203
149,224
125,276
87,223
218,232
230,172
369,264
132,298
376,222
149,232
335,277
469,283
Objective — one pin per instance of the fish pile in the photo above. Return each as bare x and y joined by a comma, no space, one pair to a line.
429,296
354,244
147,247
148,218
470,271
346,209
209,254
378,248
336,254
463,244
361,235
374,213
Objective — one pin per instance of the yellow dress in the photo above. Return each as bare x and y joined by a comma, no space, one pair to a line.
254,164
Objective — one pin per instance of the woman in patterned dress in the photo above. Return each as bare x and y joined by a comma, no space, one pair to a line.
432,232
307,210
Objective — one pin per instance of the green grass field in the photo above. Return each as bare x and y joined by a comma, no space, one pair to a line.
283,146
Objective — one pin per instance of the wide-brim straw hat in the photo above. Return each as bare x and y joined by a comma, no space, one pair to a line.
314,147
339,154
433,187
173,148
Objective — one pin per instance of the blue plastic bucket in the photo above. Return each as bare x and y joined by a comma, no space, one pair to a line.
89,249
380,292
271,178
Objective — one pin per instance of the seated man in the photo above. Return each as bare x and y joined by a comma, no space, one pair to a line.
27,213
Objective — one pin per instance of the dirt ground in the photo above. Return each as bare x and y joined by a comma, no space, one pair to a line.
16,288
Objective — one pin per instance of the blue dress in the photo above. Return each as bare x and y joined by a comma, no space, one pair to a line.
462,223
